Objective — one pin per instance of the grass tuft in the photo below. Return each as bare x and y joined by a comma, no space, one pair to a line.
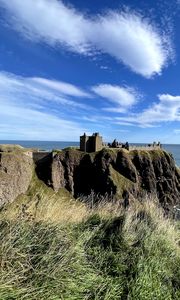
71,250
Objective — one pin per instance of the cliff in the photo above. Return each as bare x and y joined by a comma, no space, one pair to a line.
53,247
16,170
118,173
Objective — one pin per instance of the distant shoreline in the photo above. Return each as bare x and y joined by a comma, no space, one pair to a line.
69,142
50,145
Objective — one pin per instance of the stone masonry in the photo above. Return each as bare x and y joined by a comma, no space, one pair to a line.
91,143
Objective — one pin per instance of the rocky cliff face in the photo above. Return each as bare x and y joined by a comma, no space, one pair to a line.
119,173
115,172
16,170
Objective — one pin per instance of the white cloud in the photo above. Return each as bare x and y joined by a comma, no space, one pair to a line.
48,20
19,122
166,110
128,37
104,68
124,123
41,90
134,41
122,97
176,131
29,110
62,87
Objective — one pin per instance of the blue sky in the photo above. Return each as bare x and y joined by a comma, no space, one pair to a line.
67,67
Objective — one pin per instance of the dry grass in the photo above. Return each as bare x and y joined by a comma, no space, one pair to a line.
55,247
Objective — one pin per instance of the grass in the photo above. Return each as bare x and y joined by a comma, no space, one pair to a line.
69,250
12,148
42,204
121,182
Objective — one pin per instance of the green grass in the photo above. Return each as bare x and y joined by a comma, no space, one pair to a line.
121,182
73,252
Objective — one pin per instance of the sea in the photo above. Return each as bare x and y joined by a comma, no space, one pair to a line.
48,146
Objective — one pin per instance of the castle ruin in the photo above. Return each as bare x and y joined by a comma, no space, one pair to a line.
91,143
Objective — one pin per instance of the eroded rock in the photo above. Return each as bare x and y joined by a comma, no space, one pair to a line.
117,173
16,169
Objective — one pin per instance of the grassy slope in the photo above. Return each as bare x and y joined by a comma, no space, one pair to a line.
53,247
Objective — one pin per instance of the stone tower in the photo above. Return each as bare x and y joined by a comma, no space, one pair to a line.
91,143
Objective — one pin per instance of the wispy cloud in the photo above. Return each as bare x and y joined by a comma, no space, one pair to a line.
176,131
39,108
31,110
128,37
28,124
124,123
61,87
122,97
41,90
166,110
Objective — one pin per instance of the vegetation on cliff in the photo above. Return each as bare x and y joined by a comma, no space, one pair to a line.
53,247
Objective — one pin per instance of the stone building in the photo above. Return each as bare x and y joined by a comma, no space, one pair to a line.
91,143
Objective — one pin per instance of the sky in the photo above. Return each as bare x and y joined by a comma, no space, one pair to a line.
69,67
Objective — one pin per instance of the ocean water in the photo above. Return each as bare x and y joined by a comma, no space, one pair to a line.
175,150
48,146
42,145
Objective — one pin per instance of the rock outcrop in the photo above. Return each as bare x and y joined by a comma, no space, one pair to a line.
16,169
115,172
